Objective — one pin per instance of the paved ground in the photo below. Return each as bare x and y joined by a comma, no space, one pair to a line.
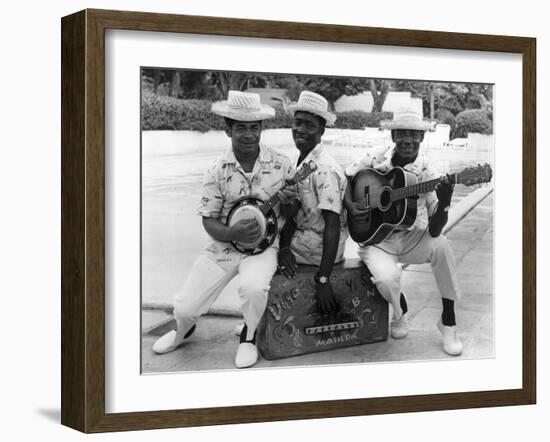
213,345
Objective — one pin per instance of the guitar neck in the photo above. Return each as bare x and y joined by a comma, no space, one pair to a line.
418,188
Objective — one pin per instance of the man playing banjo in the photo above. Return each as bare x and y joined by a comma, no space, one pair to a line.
317,234
246,169
411,245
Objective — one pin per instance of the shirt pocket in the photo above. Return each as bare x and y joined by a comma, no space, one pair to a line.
236,187
308,198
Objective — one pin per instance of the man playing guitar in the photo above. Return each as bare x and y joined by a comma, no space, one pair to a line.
411,245
245,169
317,234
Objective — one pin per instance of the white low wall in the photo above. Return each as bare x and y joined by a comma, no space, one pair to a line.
481,142
167,142
171,142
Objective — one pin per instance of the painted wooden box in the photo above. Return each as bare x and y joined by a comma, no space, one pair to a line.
293,325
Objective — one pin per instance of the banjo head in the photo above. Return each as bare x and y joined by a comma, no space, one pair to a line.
249,208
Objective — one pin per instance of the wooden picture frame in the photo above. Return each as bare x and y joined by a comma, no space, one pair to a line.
83,220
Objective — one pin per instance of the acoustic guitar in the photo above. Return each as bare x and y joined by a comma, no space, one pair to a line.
392,198
249,207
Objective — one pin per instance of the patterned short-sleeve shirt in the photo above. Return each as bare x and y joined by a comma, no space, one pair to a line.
380,159
226,181
323,190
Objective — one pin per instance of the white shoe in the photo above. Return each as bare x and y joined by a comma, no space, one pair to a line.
247,355
400,329
166,343
451,343
170,341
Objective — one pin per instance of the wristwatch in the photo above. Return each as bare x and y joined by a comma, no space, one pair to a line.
320,279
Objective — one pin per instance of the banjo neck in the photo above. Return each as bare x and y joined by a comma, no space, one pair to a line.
304,171
276,199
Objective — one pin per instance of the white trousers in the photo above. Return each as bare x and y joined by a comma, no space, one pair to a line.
410,247
211,272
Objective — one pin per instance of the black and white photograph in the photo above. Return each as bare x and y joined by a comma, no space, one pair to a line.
302,220
289,221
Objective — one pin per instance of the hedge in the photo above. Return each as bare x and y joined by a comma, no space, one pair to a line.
360,119
445,116
168,113
282,119
473,121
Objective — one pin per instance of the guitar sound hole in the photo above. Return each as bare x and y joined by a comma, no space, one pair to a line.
385,200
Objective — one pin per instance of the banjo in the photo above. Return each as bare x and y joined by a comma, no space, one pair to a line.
249,207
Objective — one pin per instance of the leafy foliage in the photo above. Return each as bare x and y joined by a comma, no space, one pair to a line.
214,85
440,100
360,119
451,97
168,113
473,121
282,119
446,117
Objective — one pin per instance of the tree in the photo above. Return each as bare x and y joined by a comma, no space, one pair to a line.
379,90
231,81
152,78
425,90
199,85
174,83
333,88
451,97
157,77
293,84
458,97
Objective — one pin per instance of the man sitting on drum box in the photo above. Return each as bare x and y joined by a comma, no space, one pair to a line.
245,169
317,234
420,243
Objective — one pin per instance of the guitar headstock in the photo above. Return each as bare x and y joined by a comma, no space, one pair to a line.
475,175
305,170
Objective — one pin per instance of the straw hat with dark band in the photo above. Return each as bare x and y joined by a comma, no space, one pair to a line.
243,106
407,118
314,104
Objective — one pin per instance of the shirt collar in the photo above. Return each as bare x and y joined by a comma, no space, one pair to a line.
314,153
264,156
417,164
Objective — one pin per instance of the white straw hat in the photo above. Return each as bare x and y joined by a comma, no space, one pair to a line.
315,104
243,106
407,118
